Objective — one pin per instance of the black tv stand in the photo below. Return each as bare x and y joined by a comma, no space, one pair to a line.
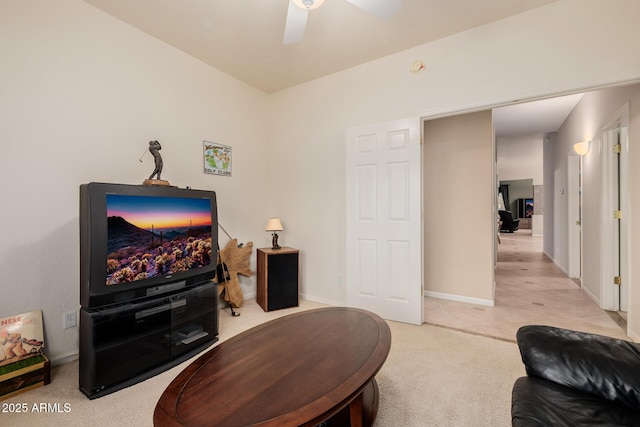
126,344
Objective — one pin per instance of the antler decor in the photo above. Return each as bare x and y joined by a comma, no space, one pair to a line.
236,261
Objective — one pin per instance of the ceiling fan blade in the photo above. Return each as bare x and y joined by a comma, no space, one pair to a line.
296,23
383,9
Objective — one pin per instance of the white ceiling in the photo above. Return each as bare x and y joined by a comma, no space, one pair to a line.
244,39
533,118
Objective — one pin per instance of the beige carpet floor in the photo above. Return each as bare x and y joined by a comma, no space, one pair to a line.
456,370
433,376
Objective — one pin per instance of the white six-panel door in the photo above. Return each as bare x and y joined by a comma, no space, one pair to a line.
384,220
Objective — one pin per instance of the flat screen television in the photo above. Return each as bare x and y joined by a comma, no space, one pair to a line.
138,241
528,208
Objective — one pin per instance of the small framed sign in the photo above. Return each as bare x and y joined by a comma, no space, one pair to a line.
217,158
21,336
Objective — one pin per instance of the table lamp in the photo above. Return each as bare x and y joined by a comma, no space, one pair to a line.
274,225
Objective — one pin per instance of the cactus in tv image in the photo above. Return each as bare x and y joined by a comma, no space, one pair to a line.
170,259
150,237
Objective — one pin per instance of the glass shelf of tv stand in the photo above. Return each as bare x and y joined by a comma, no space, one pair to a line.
194,317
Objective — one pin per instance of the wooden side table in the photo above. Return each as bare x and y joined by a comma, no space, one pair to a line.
277,278
524,224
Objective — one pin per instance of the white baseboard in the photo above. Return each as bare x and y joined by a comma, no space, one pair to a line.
331,302
553,260
556,264
64,358
460,298
250,295
594,298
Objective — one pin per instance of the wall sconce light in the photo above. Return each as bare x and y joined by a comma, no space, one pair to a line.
274,225
582,148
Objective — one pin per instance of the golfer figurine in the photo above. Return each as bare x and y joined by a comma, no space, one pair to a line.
154,149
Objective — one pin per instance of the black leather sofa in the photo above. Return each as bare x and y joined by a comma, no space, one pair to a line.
509,224
576,379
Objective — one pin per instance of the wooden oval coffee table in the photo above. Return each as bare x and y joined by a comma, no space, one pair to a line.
298,370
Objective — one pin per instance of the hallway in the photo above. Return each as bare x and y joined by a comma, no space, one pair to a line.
530,289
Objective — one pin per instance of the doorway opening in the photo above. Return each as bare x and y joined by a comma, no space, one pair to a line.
556,242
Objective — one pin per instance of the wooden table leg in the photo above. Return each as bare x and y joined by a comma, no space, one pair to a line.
355,411
368,409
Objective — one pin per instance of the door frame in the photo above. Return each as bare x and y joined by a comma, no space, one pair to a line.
574,201
610,293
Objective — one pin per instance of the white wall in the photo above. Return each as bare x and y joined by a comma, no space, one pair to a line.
559,48
83,93
458,178
520,158
81,96
549,193
585,123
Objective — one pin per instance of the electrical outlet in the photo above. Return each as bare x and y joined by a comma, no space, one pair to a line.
70,320
339,281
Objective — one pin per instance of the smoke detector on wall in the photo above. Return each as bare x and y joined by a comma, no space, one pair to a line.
417,66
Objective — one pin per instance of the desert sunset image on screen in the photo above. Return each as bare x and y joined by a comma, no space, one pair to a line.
152,236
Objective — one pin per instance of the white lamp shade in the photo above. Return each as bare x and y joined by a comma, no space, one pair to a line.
582,148
274,224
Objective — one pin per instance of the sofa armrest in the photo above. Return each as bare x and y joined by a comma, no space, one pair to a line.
595,364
